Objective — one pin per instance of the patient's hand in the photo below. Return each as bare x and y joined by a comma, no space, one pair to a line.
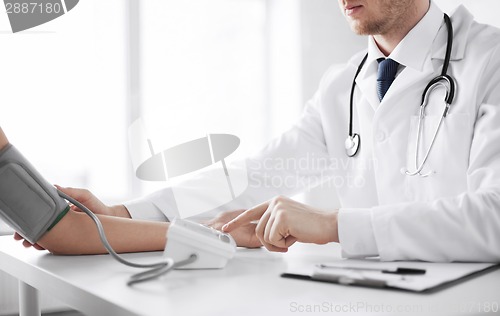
93,203
244,236
3,139
26,243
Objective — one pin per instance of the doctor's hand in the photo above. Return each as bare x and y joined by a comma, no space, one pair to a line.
283,221
244,236
93,203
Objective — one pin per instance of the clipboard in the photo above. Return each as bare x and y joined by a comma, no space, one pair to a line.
385,275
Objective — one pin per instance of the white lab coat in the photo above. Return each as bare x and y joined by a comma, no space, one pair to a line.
453,215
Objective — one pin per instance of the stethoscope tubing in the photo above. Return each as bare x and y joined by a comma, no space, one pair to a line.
442,80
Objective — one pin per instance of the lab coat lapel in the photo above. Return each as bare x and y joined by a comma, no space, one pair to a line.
462,21
367,83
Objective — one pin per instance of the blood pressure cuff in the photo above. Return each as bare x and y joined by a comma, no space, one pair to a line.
28,203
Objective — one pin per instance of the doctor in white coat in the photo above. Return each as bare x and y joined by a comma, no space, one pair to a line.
451,215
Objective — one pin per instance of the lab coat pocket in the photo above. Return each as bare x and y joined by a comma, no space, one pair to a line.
444,173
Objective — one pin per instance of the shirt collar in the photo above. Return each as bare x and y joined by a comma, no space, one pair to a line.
415,47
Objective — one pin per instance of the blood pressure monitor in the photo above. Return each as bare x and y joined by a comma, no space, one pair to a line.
212,248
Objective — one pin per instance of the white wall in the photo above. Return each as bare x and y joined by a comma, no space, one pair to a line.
484,11
326,40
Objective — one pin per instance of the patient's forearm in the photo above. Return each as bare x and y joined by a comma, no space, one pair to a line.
76,234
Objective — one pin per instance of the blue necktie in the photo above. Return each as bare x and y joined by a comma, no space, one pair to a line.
387,69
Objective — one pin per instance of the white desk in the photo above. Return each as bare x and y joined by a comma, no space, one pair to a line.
249,285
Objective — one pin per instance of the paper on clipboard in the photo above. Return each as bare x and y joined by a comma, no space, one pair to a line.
436,274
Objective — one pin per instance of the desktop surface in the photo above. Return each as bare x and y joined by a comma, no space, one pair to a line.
250,284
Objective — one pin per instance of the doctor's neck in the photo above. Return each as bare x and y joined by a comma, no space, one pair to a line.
388,40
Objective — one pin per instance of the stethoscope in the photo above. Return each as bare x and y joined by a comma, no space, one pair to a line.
353,141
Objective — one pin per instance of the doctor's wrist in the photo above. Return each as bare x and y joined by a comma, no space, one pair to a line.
331,220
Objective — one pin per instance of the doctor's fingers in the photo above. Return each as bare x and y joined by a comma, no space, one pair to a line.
246,217
273,248
270,246
273,226
276,242
268,226
264,226
263,223
260,231
279,235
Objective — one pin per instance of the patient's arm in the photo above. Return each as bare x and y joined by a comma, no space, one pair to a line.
77,234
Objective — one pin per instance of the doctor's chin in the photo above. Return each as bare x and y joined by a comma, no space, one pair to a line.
265,157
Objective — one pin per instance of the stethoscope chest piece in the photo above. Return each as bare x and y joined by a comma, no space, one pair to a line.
352,145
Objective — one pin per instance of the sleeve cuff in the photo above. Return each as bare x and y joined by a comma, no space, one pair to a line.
144,210
356,234
158,206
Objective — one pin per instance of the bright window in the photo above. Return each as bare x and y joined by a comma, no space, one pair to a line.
62,101
204,67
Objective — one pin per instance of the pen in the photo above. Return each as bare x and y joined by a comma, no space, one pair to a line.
392,271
